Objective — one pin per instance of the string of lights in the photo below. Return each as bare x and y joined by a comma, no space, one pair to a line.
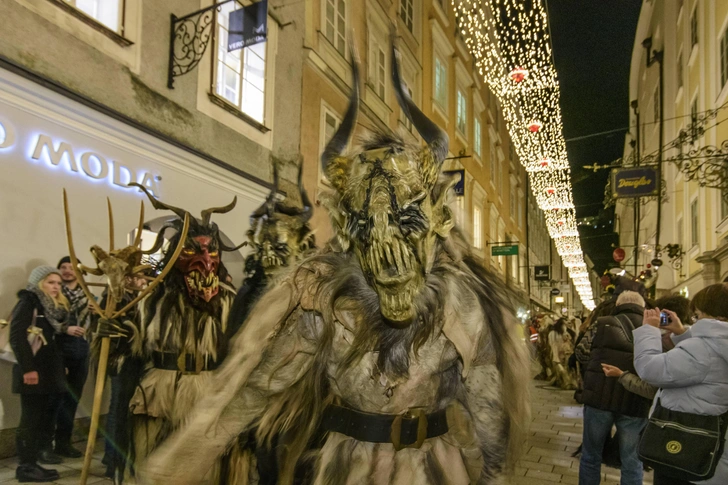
510,42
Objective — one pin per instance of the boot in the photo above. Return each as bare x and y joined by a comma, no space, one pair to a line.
47,457
68,451
34,473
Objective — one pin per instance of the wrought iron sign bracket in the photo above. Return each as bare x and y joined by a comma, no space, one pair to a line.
188,40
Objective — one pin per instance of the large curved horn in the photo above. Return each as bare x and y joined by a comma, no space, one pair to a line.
340,140
269,204
226,248
159,242
307,212
433,135
157,204
207,213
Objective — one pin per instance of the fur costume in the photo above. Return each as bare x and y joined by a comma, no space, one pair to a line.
180,336
395,321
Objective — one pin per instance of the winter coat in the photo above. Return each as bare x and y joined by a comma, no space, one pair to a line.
48,361
693,377
75,348
612,344
633,383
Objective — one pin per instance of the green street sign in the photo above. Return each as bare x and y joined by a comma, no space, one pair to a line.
511,250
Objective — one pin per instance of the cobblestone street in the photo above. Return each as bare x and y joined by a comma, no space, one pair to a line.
555,433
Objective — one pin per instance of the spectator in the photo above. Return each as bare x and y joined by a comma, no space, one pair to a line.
561,346
75,351
582,349
39,375
693,376
607,402
632,382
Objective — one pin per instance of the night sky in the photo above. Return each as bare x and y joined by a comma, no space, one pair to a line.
592,42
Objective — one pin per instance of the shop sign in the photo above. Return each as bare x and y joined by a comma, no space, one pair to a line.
618,255
248,26
542,273
634,182
93,165
459,187
510,250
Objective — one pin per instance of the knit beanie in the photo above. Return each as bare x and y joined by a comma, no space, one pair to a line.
64,259
40,273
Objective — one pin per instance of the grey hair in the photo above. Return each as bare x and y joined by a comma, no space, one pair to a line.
630,297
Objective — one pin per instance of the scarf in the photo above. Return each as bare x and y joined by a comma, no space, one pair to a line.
56,315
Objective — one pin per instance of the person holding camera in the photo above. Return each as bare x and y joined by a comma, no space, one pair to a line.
692,377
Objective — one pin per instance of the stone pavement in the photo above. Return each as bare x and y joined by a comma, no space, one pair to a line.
554,434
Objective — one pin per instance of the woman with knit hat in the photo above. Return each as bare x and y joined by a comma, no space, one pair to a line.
39,376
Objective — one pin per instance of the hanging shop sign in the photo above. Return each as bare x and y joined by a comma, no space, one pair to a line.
634,182
459,187
55,153
248,26
510,250
542,273
618,255
555,291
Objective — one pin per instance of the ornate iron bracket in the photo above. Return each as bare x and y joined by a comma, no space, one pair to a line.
188,40
707,165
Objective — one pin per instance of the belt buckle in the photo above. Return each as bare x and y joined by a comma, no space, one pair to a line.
396,433
182,364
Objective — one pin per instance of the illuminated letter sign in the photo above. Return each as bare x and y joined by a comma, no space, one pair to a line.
634,182
7,135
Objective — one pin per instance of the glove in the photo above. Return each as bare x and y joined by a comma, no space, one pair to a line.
572,361
112,329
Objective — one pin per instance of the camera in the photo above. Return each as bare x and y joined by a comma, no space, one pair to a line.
664,319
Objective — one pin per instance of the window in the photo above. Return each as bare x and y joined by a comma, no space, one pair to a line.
514,203
477,138
462,113
680,70
407,13
497,120
656,106
724,58
336,24
240,74
493,165
377,68
679,7
680,232
329,124
694,223
440,83
477,228
460,211
694,27
694,118
106,12
511,151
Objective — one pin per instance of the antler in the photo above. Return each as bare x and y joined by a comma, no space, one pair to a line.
207,213
140,228
167,268
111,225
74,260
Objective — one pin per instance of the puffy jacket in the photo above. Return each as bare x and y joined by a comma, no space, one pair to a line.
693,376
612,344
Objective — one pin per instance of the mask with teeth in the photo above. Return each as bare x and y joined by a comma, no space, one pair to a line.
387,207
279,232
199,264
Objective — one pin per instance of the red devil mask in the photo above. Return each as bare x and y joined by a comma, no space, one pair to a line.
199,262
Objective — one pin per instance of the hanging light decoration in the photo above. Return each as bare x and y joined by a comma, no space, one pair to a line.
518,74
501,34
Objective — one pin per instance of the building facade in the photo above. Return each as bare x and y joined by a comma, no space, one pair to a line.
693,38
86,105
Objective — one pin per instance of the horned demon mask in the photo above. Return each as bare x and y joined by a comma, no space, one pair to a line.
388,206
279,232
199,262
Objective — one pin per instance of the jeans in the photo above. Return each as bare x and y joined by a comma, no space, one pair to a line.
76,378
597,426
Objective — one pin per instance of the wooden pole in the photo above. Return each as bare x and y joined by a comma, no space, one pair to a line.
98,393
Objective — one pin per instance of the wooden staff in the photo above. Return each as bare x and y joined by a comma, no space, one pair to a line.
109,312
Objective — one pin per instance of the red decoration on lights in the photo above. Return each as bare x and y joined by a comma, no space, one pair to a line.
518,74
545,162
551,190
534,126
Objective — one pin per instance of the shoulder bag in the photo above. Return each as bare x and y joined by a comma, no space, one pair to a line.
681,445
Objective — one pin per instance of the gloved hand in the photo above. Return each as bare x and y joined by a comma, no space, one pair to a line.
572,361
112,329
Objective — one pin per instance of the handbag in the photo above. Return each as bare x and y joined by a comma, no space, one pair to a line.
681,445
36,339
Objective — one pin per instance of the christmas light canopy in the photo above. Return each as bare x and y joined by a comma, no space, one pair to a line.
504,37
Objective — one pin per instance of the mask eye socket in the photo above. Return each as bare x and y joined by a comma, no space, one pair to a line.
188,251
213,254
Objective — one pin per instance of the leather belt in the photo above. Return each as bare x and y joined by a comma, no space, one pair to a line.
407,430
182,362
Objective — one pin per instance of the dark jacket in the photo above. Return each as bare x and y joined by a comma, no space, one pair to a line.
613,345
48,362
75,348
